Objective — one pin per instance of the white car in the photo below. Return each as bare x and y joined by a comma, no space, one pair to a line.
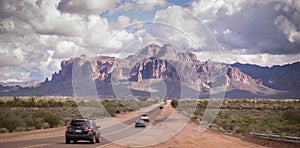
145,117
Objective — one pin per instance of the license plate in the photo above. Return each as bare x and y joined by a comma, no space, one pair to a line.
78,131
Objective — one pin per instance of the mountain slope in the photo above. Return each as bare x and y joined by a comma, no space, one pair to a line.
155,69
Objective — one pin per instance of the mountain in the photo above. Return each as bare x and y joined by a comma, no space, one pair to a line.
284,78
161,72
7,89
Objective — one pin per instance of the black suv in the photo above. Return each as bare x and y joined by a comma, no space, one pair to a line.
82,129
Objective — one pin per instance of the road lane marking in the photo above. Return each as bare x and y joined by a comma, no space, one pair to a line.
118,131
40,145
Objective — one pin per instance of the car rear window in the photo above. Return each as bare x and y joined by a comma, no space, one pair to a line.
140,121
78,123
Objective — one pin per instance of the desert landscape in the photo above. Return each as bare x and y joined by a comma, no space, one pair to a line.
159,73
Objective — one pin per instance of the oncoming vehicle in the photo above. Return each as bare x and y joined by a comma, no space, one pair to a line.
145,117
82,129
140,123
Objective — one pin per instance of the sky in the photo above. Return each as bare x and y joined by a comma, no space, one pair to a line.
36,35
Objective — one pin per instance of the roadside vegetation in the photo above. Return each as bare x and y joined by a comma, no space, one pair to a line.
273,117
30,113
277,117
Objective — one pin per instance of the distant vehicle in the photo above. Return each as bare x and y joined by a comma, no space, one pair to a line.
161,107
82,129
140,123
145,117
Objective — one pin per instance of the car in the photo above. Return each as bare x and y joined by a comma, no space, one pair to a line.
140,123
82,129
161,107
145,117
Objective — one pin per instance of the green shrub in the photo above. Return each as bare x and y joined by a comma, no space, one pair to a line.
174,103
52,120
3,130
292,116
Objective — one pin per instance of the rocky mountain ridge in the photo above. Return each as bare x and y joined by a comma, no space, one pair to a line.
181,73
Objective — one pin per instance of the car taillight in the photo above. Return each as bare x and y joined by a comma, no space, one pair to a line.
68,127
89,128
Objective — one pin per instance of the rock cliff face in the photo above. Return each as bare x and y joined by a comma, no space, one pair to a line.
177,70
153,68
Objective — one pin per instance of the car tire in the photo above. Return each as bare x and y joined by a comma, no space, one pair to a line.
68,141
93,140
98,140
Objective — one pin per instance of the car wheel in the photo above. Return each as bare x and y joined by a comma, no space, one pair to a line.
98,140
92,140
68,141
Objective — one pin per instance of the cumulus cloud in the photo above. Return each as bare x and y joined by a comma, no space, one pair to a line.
181,28
35,35
65,49
123,20
6,25
288,28
256,27
105,36
148,5
13,75
212,9
86,7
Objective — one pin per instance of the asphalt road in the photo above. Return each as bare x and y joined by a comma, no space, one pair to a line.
115,132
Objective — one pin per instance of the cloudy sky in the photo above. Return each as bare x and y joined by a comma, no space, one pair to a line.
36,35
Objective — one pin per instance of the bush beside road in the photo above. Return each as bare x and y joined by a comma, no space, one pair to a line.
30,113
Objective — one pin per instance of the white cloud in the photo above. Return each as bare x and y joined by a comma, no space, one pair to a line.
13,76
211,9
123,20
251,24
7,55
86,7
288,28
102,35
182,29
65,49
31,32
259,59
148,5
6,25
37,34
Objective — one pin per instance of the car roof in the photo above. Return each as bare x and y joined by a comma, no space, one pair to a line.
80,120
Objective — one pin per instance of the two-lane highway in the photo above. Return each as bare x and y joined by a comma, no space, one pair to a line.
112,133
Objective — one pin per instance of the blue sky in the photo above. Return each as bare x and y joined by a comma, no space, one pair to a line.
179,2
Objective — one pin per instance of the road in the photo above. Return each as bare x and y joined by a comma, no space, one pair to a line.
115,132
189,136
